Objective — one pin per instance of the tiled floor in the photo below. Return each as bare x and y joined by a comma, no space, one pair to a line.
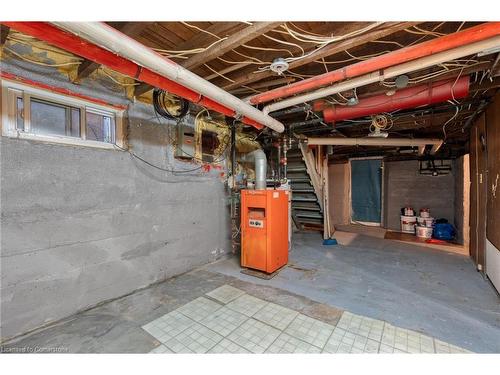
228,320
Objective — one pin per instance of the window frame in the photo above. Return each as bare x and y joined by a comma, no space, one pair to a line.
13,90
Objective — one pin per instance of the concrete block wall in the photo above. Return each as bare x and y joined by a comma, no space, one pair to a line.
405,186
83,225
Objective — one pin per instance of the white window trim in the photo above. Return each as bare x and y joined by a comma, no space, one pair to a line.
8,118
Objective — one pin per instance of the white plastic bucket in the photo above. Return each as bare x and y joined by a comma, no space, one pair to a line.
425,212
425,221
424,232
408,211
408,224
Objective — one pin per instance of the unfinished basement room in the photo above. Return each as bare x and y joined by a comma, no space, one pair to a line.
250,186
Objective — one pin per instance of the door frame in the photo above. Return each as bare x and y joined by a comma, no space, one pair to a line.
382,192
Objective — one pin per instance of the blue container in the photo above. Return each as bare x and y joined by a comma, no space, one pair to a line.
444,231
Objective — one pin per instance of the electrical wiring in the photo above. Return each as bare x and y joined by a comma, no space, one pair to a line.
284,42
40,62
200,29
460,27
252,89
251,58
246,62
354,58
388,42
159,99
449,120
324,64
425,34
426,31
309,38
115,80
267,49
134,155
219,74
304,31
181,53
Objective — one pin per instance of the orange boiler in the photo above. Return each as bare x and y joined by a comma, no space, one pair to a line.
264,229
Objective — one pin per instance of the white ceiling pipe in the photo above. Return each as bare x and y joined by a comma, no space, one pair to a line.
391,72
111,39
392,142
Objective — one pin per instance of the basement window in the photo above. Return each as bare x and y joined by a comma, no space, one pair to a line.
31,113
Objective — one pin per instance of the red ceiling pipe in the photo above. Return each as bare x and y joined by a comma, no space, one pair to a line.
431,93
80,47
467,36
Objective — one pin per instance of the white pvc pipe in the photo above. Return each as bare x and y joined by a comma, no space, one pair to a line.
391,72
111,39
396,142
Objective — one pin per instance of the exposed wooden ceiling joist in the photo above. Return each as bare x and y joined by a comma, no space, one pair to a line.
221,29
131,29
232,42
378,33
142,88
4,32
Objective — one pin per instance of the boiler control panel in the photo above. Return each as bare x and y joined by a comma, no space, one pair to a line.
256,223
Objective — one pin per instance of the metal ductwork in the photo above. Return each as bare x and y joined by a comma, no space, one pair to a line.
412,97
260,160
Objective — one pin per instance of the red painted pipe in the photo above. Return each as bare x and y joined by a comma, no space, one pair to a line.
92,52
435,92
444,43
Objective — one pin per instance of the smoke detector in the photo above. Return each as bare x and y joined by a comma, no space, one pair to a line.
279,65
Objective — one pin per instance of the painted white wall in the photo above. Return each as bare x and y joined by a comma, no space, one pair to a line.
493,264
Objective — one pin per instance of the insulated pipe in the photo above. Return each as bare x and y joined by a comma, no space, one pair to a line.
107,37
444,43
435,92
398,142
260,161
105,45
391,72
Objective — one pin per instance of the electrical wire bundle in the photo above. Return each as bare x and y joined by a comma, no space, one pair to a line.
161,99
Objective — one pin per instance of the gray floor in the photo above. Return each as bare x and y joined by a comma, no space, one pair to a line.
437,293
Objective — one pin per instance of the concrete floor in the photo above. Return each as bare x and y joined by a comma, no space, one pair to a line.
436,293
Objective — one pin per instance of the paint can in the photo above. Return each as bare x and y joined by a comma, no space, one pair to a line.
424,232
425,212
425,221
408,211
408,224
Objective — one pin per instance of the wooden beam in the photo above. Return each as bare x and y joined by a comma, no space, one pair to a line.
131,29
85,69
232,42
4,32
221,29
380,32
229,69
142,89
